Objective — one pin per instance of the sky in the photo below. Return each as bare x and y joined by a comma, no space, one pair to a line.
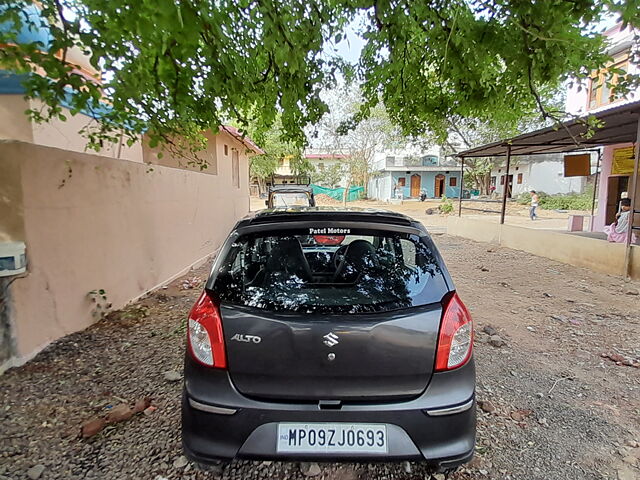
351,46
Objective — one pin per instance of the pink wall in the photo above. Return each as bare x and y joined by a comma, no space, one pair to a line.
114,225
605,172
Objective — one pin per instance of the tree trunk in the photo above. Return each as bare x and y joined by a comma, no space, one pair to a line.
262,188
486,184
346,193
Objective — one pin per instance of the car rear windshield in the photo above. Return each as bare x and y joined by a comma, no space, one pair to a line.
290,199
330,271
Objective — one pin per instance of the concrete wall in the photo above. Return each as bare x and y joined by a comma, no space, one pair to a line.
380,187
113,225
15,125
11,208
591,253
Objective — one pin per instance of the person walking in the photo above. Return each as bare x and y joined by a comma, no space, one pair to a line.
534,204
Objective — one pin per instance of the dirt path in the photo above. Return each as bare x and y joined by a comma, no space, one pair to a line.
558,410
516,214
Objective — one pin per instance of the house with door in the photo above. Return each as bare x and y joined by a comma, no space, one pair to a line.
542,173
405,173
596,94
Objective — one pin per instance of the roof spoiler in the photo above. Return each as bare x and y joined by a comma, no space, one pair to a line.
302,216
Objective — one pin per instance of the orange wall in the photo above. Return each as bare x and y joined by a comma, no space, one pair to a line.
113,225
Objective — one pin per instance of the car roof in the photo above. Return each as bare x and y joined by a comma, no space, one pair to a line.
290,188
325,213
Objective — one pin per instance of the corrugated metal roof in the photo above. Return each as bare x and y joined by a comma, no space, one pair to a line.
620,125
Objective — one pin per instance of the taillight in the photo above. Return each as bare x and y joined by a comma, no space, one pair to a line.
204,333
455,341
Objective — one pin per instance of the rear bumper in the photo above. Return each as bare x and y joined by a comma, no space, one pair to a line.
224,424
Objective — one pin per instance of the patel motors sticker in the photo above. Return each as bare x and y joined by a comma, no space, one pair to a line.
329,231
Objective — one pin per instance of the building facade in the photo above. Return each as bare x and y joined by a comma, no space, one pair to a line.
542,173
617,160
406,173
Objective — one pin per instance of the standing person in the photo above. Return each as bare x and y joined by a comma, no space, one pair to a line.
534,204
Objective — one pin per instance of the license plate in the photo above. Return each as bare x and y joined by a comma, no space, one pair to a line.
332,438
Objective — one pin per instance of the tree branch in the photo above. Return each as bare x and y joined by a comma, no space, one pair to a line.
65,28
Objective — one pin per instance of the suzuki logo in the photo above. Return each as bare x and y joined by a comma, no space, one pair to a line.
330,339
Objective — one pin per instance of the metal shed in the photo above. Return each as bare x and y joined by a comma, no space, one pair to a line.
613,126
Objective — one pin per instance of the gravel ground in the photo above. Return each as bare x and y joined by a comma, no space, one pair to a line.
551,406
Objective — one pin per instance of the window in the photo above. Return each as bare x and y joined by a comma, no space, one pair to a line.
519,179
401,181
501,179
602,83
453,181
361,272
235,169
226,149
493,181
290,199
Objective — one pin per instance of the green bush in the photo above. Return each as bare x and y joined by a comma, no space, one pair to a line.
569,201
446,205
524,198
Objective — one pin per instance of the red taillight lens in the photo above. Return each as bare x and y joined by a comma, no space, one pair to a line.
455,341
204,333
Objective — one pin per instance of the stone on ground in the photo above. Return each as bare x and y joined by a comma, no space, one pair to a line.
35,472
310,469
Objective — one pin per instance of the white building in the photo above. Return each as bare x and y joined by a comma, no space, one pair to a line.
542,173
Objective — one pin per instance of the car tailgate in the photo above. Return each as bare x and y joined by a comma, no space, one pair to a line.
316,357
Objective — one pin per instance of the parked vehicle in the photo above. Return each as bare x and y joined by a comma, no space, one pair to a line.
290,196
329,334
423,195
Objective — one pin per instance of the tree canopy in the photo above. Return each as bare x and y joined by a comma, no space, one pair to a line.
179,67
276,149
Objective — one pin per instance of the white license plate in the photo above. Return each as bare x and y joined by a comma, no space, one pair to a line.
332,438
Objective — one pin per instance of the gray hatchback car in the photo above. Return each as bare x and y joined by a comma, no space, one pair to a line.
329,334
